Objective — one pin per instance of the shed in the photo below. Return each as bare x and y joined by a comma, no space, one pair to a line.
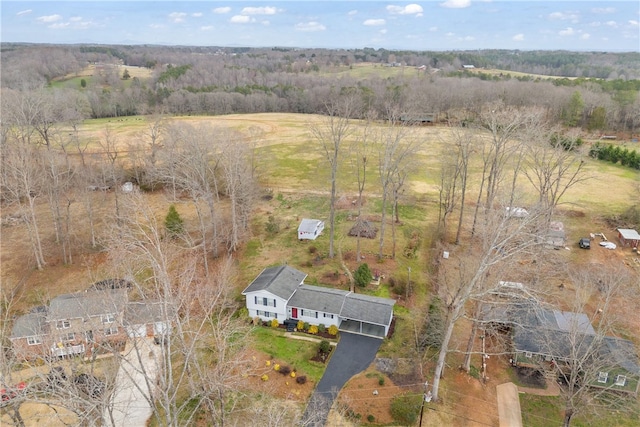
310,229
629,237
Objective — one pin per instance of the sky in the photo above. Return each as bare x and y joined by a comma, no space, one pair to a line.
425,25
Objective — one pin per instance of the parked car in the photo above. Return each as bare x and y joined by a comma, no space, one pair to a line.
585,243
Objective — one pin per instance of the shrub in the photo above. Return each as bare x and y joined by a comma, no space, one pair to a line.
333,330
273,227
325,347
274,323
257,321
313,329
363,275
293,374
371,418
306,326
405,408
300,325
285,370
173,222
265,377
302,379
381,381
434,329
276,367
322,328
313,249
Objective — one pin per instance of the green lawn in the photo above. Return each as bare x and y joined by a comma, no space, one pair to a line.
296,353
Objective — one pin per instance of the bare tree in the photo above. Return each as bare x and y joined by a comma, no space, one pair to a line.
396,147
555,166
361,151
200,311
502,238
334,130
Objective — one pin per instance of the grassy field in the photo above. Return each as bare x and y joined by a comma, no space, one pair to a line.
290,164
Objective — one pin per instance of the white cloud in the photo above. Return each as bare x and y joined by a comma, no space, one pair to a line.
410,9
241,19
450,34
634,23
266,10
612,24
222,10
196,14
585,36
310,27
49,18
265,22
374,22
177,16
564,16
59,25
433,29
567,32
352,12
518,37
383,31
206,28
24,12
456,4
156,26
469,38
599,10
75,19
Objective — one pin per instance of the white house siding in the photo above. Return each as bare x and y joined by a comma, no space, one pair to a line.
256,306
314,317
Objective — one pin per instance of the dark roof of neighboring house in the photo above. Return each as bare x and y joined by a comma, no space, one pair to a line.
551,332
29,325
87,304
138,313
281,281
345,304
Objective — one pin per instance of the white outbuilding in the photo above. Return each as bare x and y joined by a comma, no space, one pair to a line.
310,229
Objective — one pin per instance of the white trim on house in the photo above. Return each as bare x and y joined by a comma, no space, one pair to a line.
279,293
310,229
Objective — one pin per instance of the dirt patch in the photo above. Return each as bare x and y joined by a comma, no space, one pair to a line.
370,394
260,364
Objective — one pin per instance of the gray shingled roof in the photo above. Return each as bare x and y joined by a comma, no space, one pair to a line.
29,325
368,309
138,313
281,281
87,304
363,308
318,299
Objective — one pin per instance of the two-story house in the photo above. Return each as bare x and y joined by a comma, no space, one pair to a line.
279,293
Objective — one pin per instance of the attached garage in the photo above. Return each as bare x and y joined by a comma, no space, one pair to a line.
147,319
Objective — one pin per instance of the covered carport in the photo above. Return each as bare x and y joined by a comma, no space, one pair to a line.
366,315
362,328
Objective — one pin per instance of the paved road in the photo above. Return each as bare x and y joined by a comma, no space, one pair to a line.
353,354
130,404
509,405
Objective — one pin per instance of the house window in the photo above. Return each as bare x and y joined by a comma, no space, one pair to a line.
603,377
301,312
68,337
33,340
111,331
63,324
316,314
265,301
621,380
108,318
528,354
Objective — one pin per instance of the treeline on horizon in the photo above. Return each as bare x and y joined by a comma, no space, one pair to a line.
598,91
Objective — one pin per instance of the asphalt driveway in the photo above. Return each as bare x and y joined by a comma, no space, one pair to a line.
353,354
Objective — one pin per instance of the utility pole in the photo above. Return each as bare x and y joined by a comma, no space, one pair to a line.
426,398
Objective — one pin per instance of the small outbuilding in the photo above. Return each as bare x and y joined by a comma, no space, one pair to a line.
310,229
629,237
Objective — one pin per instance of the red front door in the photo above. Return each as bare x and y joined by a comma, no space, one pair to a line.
294,313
